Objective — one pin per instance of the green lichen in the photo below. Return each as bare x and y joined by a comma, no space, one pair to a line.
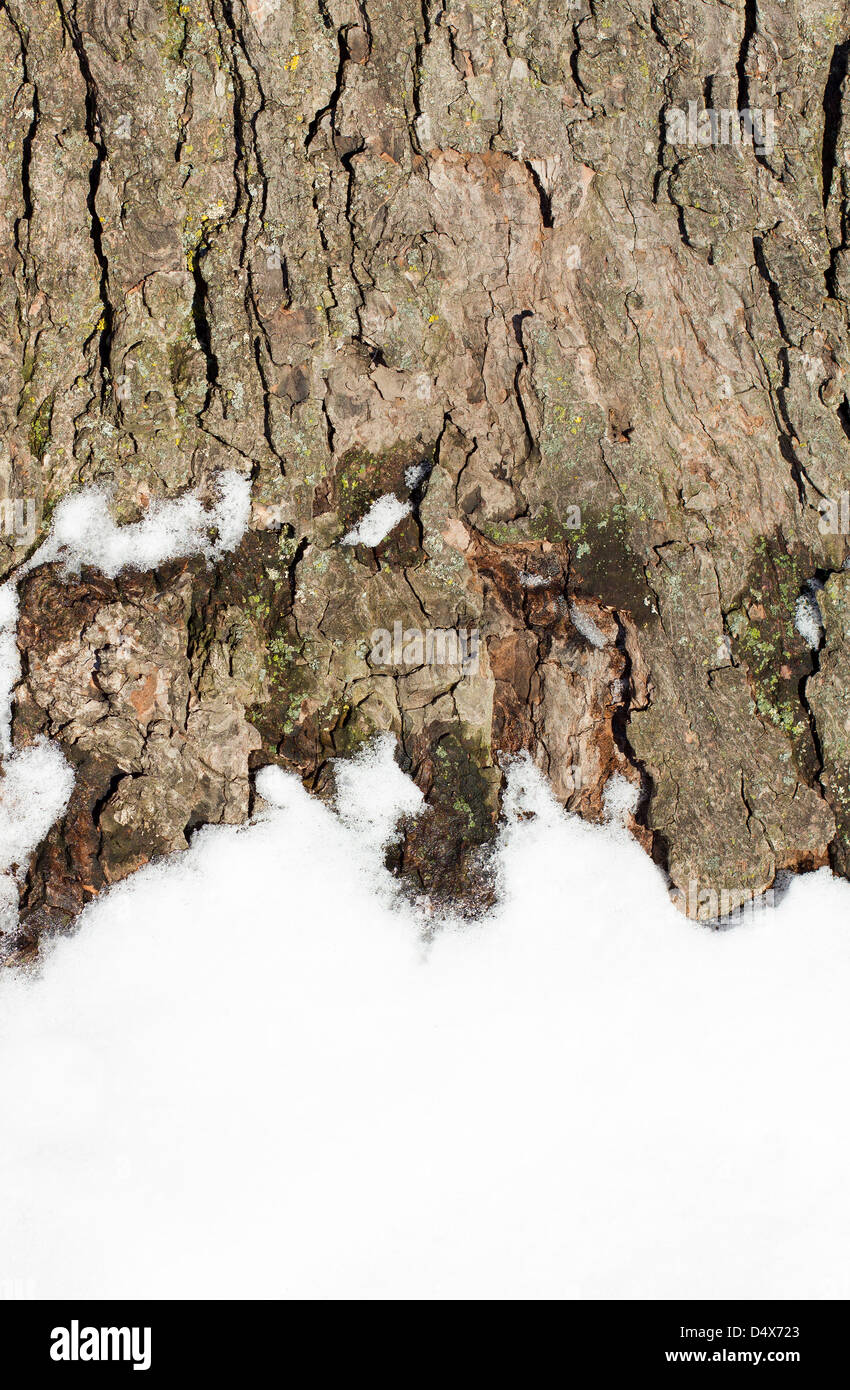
39,436
766,642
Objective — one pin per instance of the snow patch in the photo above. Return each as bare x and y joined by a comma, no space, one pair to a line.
35,788
381,518
373,792
416,473
808,619
10,661
84,532
619,799
584,624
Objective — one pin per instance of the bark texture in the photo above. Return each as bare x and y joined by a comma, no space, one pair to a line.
448,252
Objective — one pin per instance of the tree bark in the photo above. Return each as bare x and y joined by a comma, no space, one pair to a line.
500,261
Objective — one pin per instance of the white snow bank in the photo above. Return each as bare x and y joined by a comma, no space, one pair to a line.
84,532
380,519
247,1075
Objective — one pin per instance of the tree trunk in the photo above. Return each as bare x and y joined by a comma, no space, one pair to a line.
525,268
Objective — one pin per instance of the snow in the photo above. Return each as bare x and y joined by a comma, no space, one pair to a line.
416,473
584,624
808,619
252,1073
619,799
35,788
84,532
35,783
372,792
380,519
10,661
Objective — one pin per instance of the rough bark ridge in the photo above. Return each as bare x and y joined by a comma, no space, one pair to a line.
445,251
